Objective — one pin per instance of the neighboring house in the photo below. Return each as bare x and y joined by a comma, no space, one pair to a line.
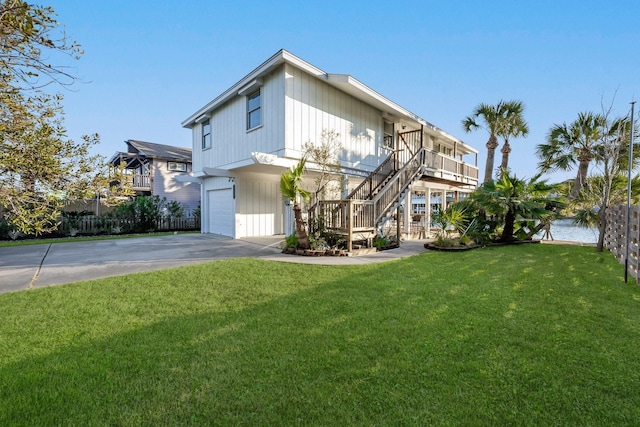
160,170
246,137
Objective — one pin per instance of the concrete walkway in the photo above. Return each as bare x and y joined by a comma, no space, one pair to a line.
35,266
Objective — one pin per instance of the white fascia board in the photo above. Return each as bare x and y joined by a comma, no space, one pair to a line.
272,160
303,65
279,58
467,148
250,87
350,168
233,90
215,172
389,108
363,92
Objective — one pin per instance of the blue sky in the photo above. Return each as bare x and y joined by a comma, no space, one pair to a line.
150,64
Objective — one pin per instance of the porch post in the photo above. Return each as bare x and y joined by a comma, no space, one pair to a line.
349,226
398,228
427,212
408,212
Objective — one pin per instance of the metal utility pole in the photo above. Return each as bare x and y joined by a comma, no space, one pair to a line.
626,246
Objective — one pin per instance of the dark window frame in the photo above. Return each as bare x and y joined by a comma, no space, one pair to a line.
254,111
206,134
175,167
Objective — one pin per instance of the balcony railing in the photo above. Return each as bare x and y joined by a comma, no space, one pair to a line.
444,167
439,165
141,181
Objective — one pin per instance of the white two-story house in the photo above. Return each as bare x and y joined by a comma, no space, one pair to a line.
247,136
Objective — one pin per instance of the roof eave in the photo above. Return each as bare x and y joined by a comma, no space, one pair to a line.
354,87
281,57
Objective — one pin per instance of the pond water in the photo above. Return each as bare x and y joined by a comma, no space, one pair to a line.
564,229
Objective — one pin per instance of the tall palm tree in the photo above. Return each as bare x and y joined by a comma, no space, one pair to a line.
493,121
291,188
515,126
568,145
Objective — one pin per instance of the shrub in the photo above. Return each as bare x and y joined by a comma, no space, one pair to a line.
381,241
317,242
291,241
175,209
144,213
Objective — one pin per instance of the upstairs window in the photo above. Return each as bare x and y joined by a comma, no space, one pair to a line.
444,149
206,134
254,110
387,141
177,166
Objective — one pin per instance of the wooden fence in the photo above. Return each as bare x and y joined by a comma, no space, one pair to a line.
91,224
615,238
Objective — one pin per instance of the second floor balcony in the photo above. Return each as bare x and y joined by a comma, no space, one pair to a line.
141,181
439,167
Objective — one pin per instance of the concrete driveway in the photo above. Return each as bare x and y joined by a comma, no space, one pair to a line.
22,267
36,266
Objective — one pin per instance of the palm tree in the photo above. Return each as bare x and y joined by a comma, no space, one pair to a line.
493,121
511,199
291,188
515,126
568,145
601,191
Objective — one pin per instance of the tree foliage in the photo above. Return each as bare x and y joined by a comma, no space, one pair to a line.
325,155
511,208
514,126
573,144
598,145
608,185
31,39
291,188
40,166
504,119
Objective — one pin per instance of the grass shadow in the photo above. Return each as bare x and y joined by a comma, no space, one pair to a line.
528,335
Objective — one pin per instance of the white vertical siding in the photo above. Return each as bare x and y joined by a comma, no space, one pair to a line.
312,106
196,149
259,206
296,108
230,140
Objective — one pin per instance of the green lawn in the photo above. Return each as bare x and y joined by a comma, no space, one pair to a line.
534,335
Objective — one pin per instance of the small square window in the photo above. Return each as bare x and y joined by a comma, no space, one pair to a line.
177,166
254,110
206,134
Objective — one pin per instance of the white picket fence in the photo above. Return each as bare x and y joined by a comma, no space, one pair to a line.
615,238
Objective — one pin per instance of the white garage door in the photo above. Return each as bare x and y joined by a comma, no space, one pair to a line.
221,215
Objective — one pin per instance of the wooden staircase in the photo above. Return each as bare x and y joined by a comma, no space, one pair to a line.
363,213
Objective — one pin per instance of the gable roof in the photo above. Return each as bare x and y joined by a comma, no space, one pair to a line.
159,151
343,82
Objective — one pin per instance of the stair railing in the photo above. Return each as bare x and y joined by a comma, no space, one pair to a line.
395,188
369,186
372,200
